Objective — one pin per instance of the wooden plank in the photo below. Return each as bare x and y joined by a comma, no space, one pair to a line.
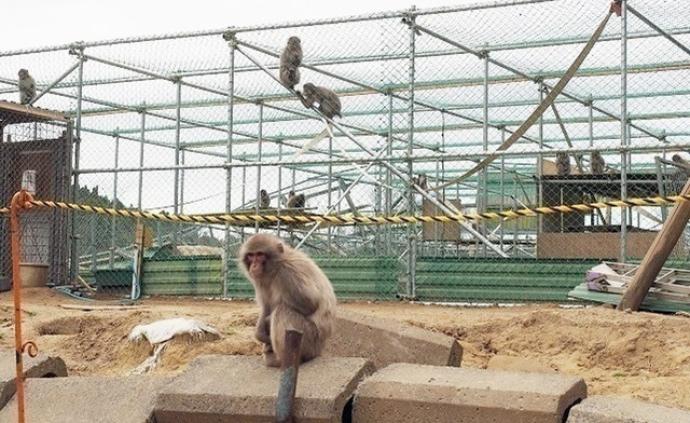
657,254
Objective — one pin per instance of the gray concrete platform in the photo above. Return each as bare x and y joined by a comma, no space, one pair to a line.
88,400
414,393
36,367
603,409
386,341
221,388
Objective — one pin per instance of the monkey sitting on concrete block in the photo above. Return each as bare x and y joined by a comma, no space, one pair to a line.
292,292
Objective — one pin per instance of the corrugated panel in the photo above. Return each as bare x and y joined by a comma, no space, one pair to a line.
479,280
352,278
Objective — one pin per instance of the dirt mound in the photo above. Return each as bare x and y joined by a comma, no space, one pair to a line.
67,325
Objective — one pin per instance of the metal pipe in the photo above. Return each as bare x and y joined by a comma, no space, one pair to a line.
54,83
624,126
74,264
657,28
590,121
258,168
502,195
142,138
540,161
525,75
485,146
330,189
389,181
228,178
113,221
176,182
280,184
411,228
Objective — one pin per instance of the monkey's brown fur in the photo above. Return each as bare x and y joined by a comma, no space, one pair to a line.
290,60
265,200
329,103
27,87
296,201
293,293
562,164
598,163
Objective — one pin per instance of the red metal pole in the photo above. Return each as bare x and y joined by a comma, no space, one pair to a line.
19,202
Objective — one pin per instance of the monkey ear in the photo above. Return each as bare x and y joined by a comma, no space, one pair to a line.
280,248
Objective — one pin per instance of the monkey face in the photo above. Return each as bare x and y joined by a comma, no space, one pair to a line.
256,263
294,40
261,255
23,73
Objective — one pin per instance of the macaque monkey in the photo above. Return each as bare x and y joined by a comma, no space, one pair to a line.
563,164
292,292
290,60
296,201
598,163
421,181
265,200
27,87
329,103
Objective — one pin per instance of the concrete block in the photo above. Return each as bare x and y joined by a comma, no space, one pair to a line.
88,400
34,367
221,388
413,393
603,409
386,341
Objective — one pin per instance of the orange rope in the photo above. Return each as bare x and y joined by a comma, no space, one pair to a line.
19,201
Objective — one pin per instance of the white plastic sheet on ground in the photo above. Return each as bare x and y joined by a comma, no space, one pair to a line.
160,332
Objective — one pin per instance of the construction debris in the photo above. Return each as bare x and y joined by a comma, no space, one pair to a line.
606,283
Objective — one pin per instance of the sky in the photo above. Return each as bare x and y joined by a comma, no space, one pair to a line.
64,21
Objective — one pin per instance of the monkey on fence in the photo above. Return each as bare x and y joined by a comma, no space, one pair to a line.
562,164
264,200
329,103
27,87
420,180
292,292
290,60
598,164
296,201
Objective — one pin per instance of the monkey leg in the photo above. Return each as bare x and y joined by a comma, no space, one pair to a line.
284,318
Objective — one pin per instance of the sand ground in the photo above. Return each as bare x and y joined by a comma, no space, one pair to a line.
641,355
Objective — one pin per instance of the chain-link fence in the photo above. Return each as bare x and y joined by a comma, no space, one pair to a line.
438,118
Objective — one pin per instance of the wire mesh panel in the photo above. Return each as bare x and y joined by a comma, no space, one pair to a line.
442,112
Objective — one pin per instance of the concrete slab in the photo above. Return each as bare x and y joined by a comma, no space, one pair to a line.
386,341
88,400
225,388
603,409
413,393
36,367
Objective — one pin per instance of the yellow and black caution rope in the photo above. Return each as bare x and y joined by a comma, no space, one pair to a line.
243,219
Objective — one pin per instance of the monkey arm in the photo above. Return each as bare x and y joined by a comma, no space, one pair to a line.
301,295
263,326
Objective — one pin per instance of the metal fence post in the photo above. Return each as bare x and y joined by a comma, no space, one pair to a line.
142,139
232,43
411,230
389,181
74,249
624,126
485,145
258,167
176,203
113,220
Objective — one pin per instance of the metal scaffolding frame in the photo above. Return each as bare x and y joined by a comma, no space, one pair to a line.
385,147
